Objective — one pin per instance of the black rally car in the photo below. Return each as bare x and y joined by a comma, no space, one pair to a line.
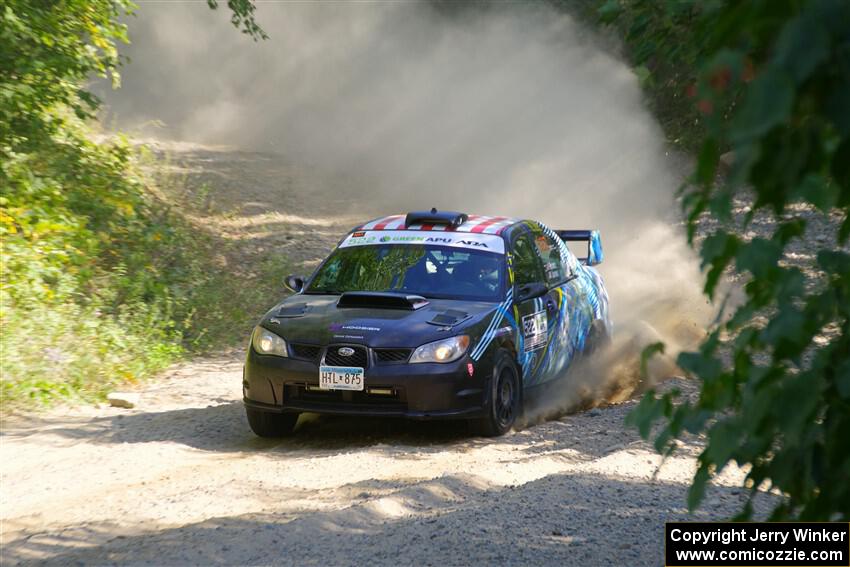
428,315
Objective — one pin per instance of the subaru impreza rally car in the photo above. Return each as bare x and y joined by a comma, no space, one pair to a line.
428,315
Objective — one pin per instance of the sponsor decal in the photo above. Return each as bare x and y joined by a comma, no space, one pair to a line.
352,240
476,241
470,368
534,330
342,327
472,243
360,328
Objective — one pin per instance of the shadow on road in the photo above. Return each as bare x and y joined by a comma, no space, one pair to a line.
224,428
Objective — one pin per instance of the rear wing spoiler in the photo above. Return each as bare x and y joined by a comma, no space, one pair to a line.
594,244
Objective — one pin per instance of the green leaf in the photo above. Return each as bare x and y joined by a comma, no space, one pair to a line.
721,203
648,352
788,332
697,490
705,367
802,46
707,161
609,11
842,379
724,438
644,75
790,285
841,167
647,412
796,405
759,257
838,106
717,250
767,104
834,262
817,191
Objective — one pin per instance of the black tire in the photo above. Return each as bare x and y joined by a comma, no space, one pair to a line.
268,424
505,397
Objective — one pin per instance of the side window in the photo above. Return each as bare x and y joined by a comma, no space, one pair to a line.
526,264
553,266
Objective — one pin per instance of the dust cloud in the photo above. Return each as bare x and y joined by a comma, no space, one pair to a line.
510,109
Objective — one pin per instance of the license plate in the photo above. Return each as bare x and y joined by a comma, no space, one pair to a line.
341,378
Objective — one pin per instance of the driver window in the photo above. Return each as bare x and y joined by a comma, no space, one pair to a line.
526,265
556,272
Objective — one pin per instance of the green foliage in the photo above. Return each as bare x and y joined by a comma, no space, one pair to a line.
663,52
242,16
48,50
771,84
101,281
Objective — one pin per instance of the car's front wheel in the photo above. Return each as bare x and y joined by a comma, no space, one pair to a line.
268,424
504,404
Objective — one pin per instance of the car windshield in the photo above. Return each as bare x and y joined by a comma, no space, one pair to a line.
430,271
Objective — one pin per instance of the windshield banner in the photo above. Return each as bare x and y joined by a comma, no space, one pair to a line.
470,240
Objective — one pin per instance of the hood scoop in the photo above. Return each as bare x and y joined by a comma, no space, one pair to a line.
289,311
449,318
381,300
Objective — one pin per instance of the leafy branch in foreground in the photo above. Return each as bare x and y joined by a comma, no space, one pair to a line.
772,84
242,16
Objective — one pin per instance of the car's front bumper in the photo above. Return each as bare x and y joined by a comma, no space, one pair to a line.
416,391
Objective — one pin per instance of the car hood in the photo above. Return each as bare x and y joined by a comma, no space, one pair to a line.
316,319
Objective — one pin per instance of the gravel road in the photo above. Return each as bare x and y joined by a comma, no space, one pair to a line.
180,479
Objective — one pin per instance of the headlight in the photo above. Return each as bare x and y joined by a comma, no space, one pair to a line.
266,342
447,350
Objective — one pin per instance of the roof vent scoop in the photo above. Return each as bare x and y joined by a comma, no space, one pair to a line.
453,219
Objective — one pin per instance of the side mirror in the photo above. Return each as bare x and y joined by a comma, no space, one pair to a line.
594,249
530,291
294,283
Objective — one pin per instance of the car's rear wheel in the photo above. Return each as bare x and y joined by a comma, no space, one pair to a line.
268,424
505,396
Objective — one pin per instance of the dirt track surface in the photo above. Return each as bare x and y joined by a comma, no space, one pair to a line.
180,479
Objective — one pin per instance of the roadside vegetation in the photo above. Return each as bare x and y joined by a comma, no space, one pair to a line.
766,83
103,281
